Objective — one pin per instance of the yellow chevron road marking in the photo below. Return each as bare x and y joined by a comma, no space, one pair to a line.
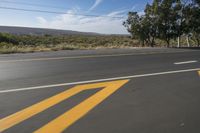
65,120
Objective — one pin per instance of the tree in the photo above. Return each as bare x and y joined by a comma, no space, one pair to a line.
134,27
195,20
177,11
143,27
151,22
166,20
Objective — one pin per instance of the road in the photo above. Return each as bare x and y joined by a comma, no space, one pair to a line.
101,91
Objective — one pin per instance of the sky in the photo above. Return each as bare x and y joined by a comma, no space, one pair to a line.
110,14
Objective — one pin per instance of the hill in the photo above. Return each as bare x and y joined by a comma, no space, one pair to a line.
40,31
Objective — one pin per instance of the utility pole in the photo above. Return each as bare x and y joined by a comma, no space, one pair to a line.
187,38
178,39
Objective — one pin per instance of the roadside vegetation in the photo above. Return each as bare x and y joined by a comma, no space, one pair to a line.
166,20
165,23
31,43
10,43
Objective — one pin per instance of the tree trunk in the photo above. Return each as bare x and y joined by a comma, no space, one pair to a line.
196,36
168,43
152,41
142,43
187,39
198,42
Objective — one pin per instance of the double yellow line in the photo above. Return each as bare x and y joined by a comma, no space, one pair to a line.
68,118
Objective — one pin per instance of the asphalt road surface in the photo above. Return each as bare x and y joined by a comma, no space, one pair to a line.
101,91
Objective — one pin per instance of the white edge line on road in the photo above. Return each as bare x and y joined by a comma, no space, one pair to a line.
99,80
185,62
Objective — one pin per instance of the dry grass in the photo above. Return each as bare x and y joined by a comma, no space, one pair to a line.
26,43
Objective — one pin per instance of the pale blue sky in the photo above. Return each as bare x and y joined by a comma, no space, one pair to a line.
106,25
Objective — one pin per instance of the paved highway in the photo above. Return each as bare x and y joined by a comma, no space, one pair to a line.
101,91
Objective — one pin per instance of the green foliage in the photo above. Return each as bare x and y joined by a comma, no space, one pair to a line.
29,43
166,20
5,45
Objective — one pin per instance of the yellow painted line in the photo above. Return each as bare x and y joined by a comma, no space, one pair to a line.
24,114
68,118
199,73
88,56
72,115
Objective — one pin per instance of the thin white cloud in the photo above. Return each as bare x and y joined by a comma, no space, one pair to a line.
105,25
41,20
96,3
134,7
117,13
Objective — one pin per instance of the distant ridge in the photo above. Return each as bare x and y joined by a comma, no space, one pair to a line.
40,31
